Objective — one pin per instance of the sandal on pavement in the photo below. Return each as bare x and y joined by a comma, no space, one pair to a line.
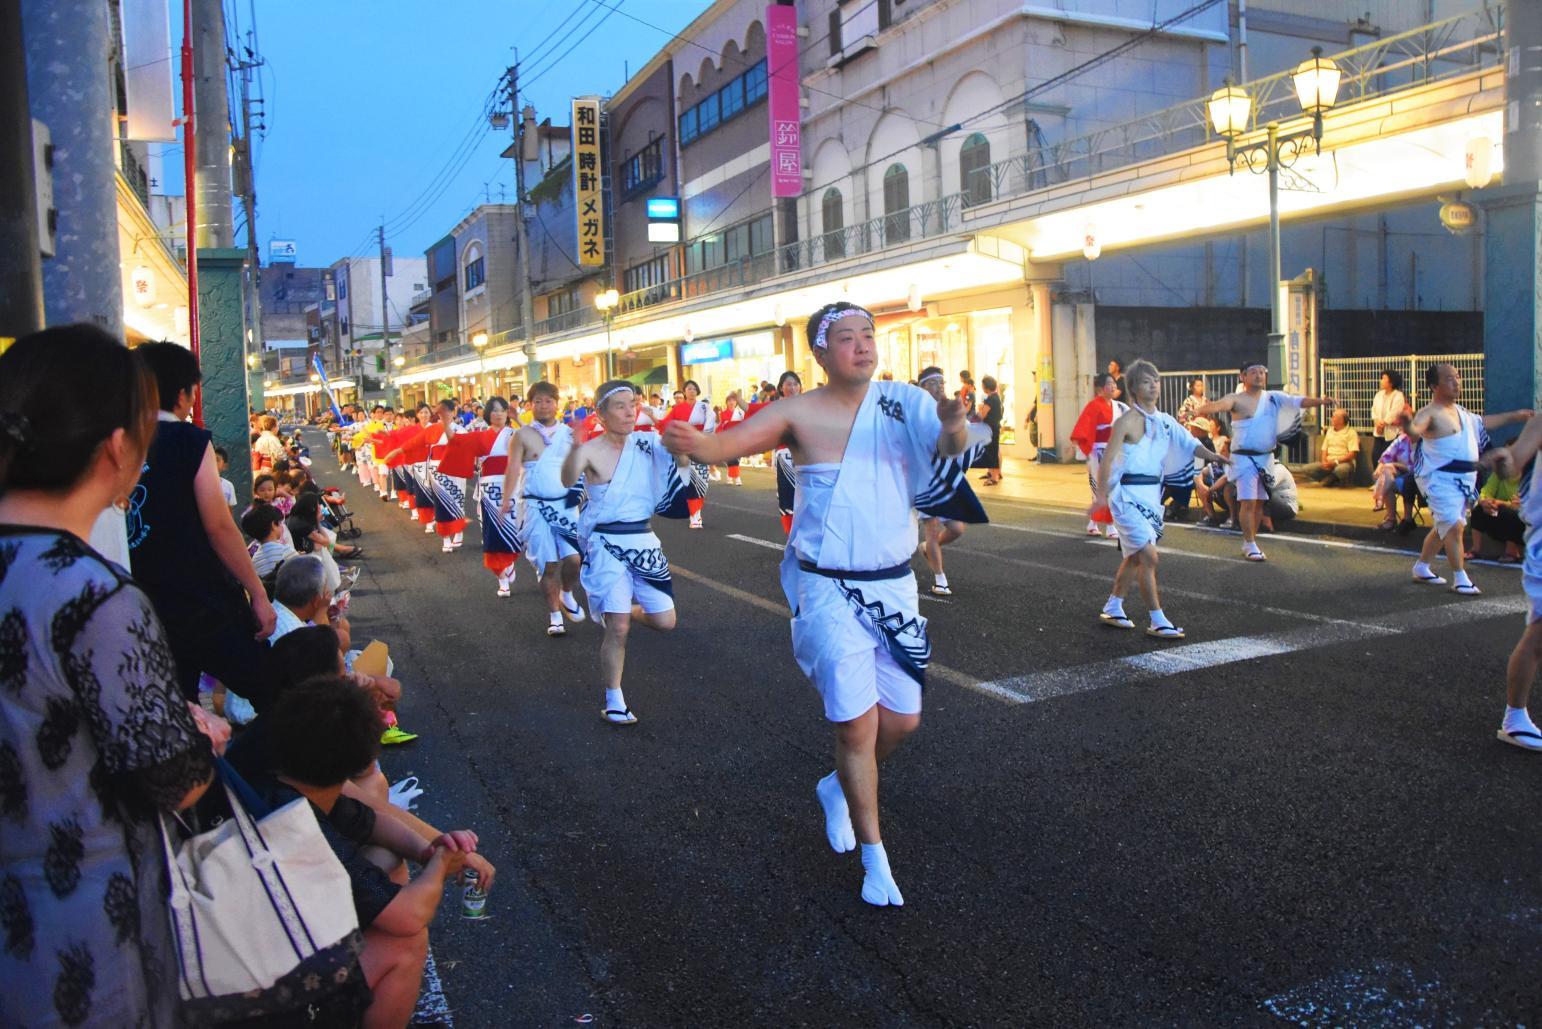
1164,632
1526,739
621,717
1466,589
1115,621
1431,579
556,630
942,591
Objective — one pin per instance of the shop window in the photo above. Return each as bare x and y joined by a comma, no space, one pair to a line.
834,217
974,176
896,204
562,302
654,272
755,84
760,235
707,114
688,127
730,101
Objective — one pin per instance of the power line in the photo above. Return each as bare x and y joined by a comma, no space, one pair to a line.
541,52
576,43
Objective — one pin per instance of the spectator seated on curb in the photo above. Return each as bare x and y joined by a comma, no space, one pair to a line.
325,732
1497,515
1337,457
1211,487
1394,478
301,597
1284,502
265,526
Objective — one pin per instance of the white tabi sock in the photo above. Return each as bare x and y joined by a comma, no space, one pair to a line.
1517,718
878,886
942,580
1158,619
614,700
838,828
1421,570
568,601
556,618
1115,607
1459,577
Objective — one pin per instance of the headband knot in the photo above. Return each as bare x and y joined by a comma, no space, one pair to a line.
830,318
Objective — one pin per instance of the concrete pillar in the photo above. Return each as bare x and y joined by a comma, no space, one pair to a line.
1512,236
68,43
1032,365
216,223
222,335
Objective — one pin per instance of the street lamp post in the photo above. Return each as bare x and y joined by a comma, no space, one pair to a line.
605,302
1317,84
479,342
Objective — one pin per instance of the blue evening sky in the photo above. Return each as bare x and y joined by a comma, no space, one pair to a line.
368,101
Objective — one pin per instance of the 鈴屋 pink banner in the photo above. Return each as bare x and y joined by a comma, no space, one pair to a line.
782,90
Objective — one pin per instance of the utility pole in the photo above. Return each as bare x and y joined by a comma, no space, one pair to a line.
69,87
248,179
21,280
216,226
521,229
385,311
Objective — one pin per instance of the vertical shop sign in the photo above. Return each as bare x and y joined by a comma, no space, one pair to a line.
589,201
782,100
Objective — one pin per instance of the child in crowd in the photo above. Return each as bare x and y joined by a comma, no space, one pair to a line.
265,526
221,461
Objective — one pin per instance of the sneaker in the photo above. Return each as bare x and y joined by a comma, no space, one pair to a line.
395,735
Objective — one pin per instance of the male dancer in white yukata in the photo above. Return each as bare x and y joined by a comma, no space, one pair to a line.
1258,418
629,477
1450,439
1517,728
867,455
1143,445
547,523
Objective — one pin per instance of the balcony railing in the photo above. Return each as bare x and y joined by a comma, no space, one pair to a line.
922,221
1443,49
581,315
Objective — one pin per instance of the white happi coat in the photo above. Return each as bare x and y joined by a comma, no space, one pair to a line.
547,522
1447,472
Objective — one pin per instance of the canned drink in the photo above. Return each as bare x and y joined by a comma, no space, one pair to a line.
473,902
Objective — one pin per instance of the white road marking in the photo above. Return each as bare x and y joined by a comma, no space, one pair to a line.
1378,995
758,542
1156,664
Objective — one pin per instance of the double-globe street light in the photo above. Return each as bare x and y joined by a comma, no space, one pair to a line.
1317,85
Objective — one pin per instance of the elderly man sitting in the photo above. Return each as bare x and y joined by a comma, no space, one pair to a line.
300,598
1337,458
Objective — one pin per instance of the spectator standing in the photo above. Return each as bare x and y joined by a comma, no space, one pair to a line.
268,448
966,393
1338,456
1189,409
1388,403
96,738
990,414
187,552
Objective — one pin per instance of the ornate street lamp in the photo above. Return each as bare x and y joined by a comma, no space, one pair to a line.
605,302
1317,86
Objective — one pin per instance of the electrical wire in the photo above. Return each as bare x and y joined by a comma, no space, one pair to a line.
576,44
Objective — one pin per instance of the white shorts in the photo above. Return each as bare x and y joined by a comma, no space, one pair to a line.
1531,578
1450,496
1137,514
626,569
852,685
1246,472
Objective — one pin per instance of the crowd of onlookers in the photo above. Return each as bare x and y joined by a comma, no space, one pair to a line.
157,650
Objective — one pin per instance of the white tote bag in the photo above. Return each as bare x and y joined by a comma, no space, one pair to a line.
252,900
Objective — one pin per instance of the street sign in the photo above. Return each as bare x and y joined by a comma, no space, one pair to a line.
589,200
283,251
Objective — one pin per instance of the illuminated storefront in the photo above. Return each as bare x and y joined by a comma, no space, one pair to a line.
979,342
740,362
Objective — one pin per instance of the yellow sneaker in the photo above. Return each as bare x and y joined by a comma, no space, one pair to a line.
394,734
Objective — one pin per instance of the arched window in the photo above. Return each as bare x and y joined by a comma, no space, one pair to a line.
834,217
974,162
896,204
475,268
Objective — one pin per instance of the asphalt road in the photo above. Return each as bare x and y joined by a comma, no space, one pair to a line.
1300,815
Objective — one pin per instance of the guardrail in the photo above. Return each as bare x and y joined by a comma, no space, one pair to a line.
1354,381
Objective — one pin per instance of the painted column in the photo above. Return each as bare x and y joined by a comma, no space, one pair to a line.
1512,235
67,45
223,335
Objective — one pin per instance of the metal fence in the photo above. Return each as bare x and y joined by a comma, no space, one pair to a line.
1176,386
1353,382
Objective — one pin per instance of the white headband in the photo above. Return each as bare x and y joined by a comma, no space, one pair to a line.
613,391
830,318
923,380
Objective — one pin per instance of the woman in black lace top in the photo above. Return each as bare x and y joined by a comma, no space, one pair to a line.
95,738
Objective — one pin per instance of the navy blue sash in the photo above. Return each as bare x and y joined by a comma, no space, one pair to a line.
874,575
624,528
1130,479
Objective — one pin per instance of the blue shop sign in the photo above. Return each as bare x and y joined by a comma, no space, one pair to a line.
707,351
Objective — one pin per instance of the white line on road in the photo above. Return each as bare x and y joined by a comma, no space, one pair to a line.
1061,682
758,542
